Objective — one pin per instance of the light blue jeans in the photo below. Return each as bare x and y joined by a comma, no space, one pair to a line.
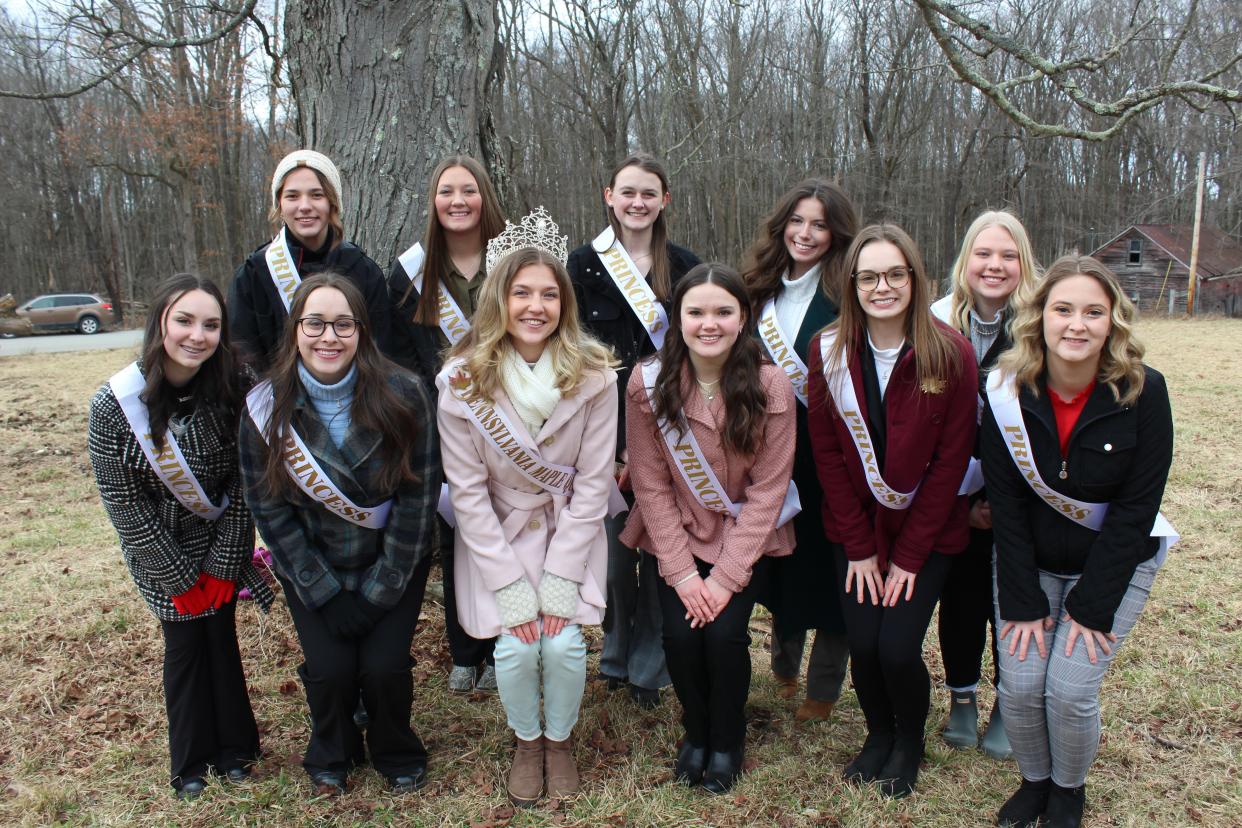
557,666
1051,706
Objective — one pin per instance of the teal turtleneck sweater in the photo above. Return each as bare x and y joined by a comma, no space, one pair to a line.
331,402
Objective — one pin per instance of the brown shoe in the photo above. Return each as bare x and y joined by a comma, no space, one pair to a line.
813,710
526,776
786,686
561,770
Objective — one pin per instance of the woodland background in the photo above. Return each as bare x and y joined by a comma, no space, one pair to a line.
124,161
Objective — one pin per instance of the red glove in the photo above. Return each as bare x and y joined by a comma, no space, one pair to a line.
218,592
193,601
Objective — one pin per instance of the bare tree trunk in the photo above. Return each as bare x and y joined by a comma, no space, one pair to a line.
386,101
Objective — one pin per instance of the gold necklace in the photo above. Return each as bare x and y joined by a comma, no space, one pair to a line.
708,388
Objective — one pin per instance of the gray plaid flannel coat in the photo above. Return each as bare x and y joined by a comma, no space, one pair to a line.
164,544
320,553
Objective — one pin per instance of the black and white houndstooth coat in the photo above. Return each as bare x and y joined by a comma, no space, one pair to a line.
164,544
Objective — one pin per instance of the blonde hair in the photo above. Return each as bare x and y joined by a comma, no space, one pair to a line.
962,300
574,352
1121,360
935,355
334,204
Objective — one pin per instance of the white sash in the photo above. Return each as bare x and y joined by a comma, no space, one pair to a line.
781,349
625,275
841,387
452,321
506,438
973,481
1003,396
306,471
694,468
169,464
280,267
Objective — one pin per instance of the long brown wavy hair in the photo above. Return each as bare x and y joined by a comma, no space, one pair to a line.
376,406
768,259
1121,360
1028,269
936,357
574,352
216,382
334,205
661,277
437,264
746,403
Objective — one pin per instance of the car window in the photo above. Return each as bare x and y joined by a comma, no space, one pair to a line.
68,301
42,303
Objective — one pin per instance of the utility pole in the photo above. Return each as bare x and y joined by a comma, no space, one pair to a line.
1192,278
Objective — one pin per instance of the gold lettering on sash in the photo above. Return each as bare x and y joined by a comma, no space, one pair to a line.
449,317
177,477
632,285
509,446
780,352
282,269
1017,443
700,483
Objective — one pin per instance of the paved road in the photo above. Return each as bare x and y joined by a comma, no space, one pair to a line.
52,343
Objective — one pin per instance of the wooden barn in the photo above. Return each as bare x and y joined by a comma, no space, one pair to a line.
1153,262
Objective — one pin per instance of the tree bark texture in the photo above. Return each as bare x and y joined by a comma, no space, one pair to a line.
387,88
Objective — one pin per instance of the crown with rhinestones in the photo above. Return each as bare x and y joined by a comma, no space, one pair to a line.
537,230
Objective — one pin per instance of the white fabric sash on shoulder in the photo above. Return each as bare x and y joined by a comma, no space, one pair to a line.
452,321
169,464
973,481
841,387
694,468
306,471
633,286
502,435
781,349
280,267
1003,396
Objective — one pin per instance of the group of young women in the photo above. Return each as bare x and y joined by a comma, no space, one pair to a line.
812,433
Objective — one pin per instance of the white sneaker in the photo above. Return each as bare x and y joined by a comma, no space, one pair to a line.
461,679
487,680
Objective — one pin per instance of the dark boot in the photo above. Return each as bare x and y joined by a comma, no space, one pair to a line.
1065,806
962,728
1026,806
723,769
995,742
865,767
691,759
900,773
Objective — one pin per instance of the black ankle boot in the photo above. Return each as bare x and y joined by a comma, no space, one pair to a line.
691,758
1026,806
723,769
866,765
901,771
1065,806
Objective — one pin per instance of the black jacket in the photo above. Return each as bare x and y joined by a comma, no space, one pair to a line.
1118,455
607,316
257,315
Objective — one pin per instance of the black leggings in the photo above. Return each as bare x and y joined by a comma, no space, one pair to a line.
886,650
710,666
965,612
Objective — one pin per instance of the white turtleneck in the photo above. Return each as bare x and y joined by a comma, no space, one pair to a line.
793,300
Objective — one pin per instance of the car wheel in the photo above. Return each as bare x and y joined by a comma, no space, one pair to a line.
88,325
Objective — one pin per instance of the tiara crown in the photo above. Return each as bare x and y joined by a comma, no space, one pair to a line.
537,230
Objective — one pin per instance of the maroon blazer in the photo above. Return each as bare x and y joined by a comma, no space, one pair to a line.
929,441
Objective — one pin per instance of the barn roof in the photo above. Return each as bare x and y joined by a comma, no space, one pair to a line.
1219,253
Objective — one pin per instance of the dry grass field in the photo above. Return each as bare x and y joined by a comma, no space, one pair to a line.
82,738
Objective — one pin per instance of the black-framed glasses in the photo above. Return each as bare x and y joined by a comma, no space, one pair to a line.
869,280
344,327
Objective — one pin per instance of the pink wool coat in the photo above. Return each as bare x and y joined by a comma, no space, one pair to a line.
508,527
670,523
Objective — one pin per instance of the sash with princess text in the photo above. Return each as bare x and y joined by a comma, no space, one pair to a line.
280,267
168,464
452,321
506,439
841,387
633,285
306,471
1003,397
694,468
781,349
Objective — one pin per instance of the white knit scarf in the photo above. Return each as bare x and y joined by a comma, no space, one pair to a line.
531,389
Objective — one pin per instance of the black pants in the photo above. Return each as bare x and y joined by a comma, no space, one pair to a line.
886,650
710,666
466,650
210,723
966,611
379,664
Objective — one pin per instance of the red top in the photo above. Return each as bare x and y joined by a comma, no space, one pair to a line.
1067,413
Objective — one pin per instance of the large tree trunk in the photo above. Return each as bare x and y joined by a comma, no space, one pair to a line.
385,90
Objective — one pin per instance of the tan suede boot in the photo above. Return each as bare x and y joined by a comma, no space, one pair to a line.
786,686
561,769
813,710
526,776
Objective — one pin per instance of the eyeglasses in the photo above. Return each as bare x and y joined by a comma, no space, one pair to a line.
869,280
343,327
